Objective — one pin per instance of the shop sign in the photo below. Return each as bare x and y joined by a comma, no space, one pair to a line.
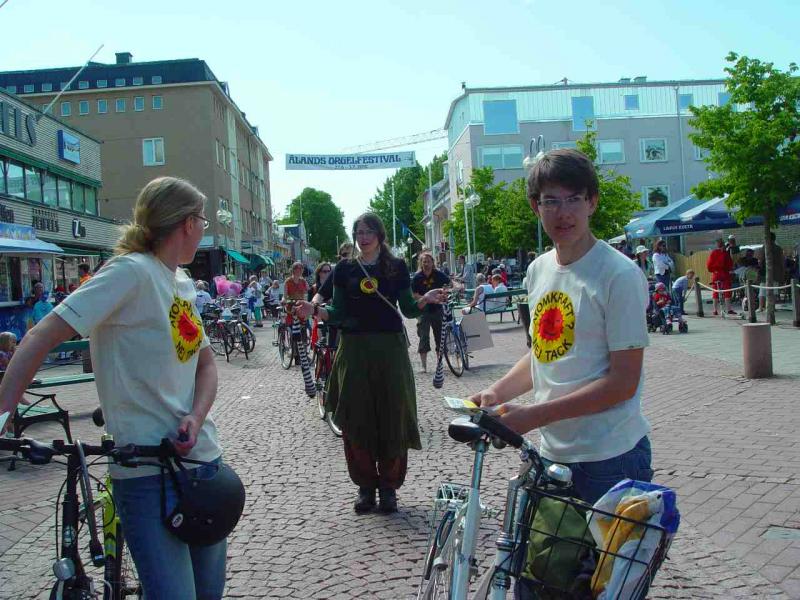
78,230
24,124
45,220
16,232
69,147
6,214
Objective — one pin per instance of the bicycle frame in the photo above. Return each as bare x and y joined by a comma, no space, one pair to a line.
465,555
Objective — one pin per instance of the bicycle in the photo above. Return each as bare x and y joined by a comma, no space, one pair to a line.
450,563
456,350
288,346
324,353
227,330
73,582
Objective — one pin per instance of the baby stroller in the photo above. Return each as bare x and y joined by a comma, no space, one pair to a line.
663,318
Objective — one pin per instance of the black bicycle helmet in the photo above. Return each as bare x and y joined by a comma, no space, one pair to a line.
207,509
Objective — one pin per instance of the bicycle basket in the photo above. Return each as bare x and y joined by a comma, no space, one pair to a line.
572,550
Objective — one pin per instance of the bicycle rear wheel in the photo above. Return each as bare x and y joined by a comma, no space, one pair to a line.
240,339
120,572
214,338
285,346
337,431
320,378
453,353
462,337
437,577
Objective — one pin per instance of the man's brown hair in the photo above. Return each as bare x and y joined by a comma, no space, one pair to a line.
565,167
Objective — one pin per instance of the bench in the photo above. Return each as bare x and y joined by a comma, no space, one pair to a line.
509,306
45,407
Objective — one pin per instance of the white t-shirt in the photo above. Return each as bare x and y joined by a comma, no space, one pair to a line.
145,337
662,263
579,313
203,298
493,303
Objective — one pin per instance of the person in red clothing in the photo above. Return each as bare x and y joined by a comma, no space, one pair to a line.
720,265
504,274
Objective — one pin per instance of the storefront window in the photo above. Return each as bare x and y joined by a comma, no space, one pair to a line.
3,169
50,190
5,279
91,200
33,184
16,180
64,193
78,202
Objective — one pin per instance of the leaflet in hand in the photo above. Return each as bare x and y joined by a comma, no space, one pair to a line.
459,405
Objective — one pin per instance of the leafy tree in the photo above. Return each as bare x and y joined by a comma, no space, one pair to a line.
323,220
514,223
618,201
753,145
405,194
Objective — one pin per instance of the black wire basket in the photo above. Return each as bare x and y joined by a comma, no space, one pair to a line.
558,558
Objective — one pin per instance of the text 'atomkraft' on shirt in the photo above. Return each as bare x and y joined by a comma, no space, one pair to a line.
579,313
145,338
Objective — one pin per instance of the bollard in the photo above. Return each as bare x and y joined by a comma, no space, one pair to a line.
752,300
795,304
698,293
757,350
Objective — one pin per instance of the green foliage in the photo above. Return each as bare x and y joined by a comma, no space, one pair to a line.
755,152
323,220
618,201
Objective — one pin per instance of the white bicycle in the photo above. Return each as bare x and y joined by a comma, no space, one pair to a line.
450,565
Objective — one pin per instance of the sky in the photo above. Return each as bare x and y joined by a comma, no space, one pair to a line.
321,77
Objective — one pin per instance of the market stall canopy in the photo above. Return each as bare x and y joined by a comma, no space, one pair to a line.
21,239
715,214
237,256
650,224
259,261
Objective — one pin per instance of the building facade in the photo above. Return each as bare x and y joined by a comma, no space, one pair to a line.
50,219
642,130
171,117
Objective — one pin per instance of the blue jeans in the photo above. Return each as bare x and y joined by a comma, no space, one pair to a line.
168,568
591,480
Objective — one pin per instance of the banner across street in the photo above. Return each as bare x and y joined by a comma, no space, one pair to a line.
344,162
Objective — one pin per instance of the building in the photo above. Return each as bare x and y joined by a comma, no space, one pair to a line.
50,219
169,117
642,130
436,209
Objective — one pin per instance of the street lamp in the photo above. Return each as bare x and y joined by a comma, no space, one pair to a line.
471,201
410,241
528,164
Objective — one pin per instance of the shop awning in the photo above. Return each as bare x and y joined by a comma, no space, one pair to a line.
650,224
237,256
9,245
72,251
267,260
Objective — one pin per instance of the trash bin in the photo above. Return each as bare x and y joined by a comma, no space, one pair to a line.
525,318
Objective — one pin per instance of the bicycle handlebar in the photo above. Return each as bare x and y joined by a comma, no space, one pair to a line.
497,429
39,453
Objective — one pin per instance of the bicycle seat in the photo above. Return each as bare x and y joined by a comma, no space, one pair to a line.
461,429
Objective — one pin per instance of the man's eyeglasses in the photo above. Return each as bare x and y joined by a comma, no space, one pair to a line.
552,204
366,233
206,222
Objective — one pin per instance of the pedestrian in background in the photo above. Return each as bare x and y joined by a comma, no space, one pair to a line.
426,279
663,265
371,390
295,287
720,265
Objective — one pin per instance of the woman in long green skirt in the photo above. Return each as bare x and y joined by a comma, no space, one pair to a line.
371,390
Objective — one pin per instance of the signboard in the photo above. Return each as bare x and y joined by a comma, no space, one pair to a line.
22,124
346,162
16,232
69,147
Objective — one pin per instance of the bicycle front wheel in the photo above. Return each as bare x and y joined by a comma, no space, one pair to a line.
320,378
437,576
285,346
464,348
453,353
120,572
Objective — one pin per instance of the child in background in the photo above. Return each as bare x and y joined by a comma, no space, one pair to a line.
8,343
663,303
679,288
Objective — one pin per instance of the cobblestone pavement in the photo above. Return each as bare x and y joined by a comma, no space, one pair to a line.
727,445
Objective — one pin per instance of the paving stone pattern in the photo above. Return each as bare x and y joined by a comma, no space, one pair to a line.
727,445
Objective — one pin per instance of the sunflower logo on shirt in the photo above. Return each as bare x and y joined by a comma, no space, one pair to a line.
368,285
186,327
552,327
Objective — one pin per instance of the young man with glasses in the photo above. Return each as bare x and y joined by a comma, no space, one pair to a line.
588,332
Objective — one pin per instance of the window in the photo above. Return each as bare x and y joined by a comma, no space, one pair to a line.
156,80
158,102
460,171
120,82
216,149
33,184
153,152
83,107
47,87
78,197
16,180
91,200
27,88
102,107
83,85
138,81
723,98
63,85
66,109
655,196
653,149
138,103
610,152
559,145
582,111
50,190
700,153
631,101
102,83
120,105
500,116
500,157
11,89
685,101
234,164
64,193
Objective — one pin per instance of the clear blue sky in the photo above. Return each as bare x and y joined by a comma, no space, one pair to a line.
318,77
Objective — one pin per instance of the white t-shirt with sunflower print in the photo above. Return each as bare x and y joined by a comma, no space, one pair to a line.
145,336
579,314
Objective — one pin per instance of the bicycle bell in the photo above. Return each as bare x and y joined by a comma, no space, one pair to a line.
559,474
64,569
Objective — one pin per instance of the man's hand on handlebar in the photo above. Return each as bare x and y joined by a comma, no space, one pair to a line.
486,398
187,434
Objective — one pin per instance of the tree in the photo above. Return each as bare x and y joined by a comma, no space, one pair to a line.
405,194
753,145
514,222
323,220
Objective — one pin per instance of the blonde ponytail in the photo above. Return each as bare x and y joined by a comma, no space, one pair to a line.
162,205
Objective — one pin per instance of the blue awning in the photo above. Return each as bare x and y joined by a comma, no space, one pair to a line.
649,225
237,257
9,245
